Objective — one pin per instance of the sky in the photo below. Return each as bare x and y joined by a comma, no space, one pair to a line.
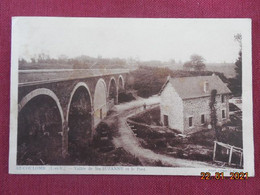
143,39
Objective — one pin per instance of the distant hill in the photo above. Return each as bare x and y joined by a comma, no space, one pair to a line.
86,62
82,62
35,66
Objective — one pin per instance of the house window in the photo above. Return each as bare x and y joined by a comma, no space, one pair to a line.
202,120
222,98
223,114
190,121
165,120
206,87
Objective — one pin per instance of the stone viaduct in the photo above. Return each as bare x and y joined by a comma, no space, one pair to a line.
92,91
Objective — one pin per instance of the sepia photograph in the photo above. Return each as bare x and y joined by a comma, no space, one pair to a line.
131,96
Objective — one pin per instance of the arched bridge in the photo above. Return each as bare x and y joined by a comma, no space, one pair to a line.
64,106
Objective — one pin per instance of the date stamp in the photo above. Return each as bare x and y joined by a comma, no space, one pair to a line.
220,176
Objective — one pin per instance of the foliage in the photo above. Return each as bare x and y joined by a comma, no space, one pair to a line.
150,117
213,113
198,146
196,63
236,83
44,61
230,137
187,65
238,38
125,97
148,81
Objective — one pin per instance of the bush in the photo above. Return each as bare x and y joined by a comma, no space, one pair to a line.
204,138
233,138
149,117
148,81
161,144
102,130
125,97
159,163
200,157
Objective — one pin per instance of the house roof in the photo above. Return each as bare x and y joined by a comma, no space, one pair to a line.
193,87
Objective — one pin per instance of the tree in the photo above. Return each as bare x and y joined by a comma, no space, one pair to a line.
238,66
43,58
238,38
196,63
33,60
187,65
22,61
213,113
63,58
172,62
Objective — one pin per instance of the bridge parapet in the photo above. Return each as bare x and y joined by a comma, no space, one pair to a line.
34,77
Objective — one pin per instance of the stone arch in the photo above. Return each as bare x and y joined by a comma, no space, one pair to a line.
80,84
121,82
100,101
79,118
112,92
40,123
41,91
109,85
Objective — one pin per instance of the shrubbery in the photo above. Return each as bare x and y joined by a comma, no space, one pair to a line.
148,81
125,97
233,138
150,117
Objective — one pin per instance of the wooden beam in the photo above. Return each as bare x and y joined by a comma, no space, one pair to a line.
241,159
230,155
214,152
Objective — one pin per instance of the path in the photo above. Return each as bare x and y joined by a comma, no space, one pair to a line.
130,143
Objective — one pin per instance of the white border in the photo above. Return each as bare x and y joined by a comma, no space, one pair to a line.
142,170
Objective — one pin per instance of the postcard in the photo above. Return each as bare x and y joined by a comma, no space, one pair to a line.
132,96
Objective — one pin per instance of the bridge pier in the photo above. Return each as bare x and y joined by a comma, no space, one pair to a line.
65,134
65,139
92,123
116,100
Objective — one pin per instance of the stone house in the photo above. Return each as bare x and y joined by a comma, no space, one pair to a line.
184,104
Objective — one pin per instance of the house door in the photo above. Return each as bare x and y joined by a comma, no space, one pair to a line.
101,113
165,120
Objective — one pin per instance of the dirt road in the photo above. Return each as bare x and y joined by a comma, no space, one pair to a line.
130,143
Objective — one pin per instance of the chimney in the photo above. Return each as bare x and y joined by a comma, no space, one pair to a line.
206,87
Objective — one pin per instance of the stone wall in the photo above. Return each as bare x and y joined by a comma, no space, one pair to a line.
171,105
196,107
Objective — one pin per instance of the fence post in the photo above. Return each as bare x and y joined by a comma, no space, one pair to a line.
241,158
230,155
214,152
